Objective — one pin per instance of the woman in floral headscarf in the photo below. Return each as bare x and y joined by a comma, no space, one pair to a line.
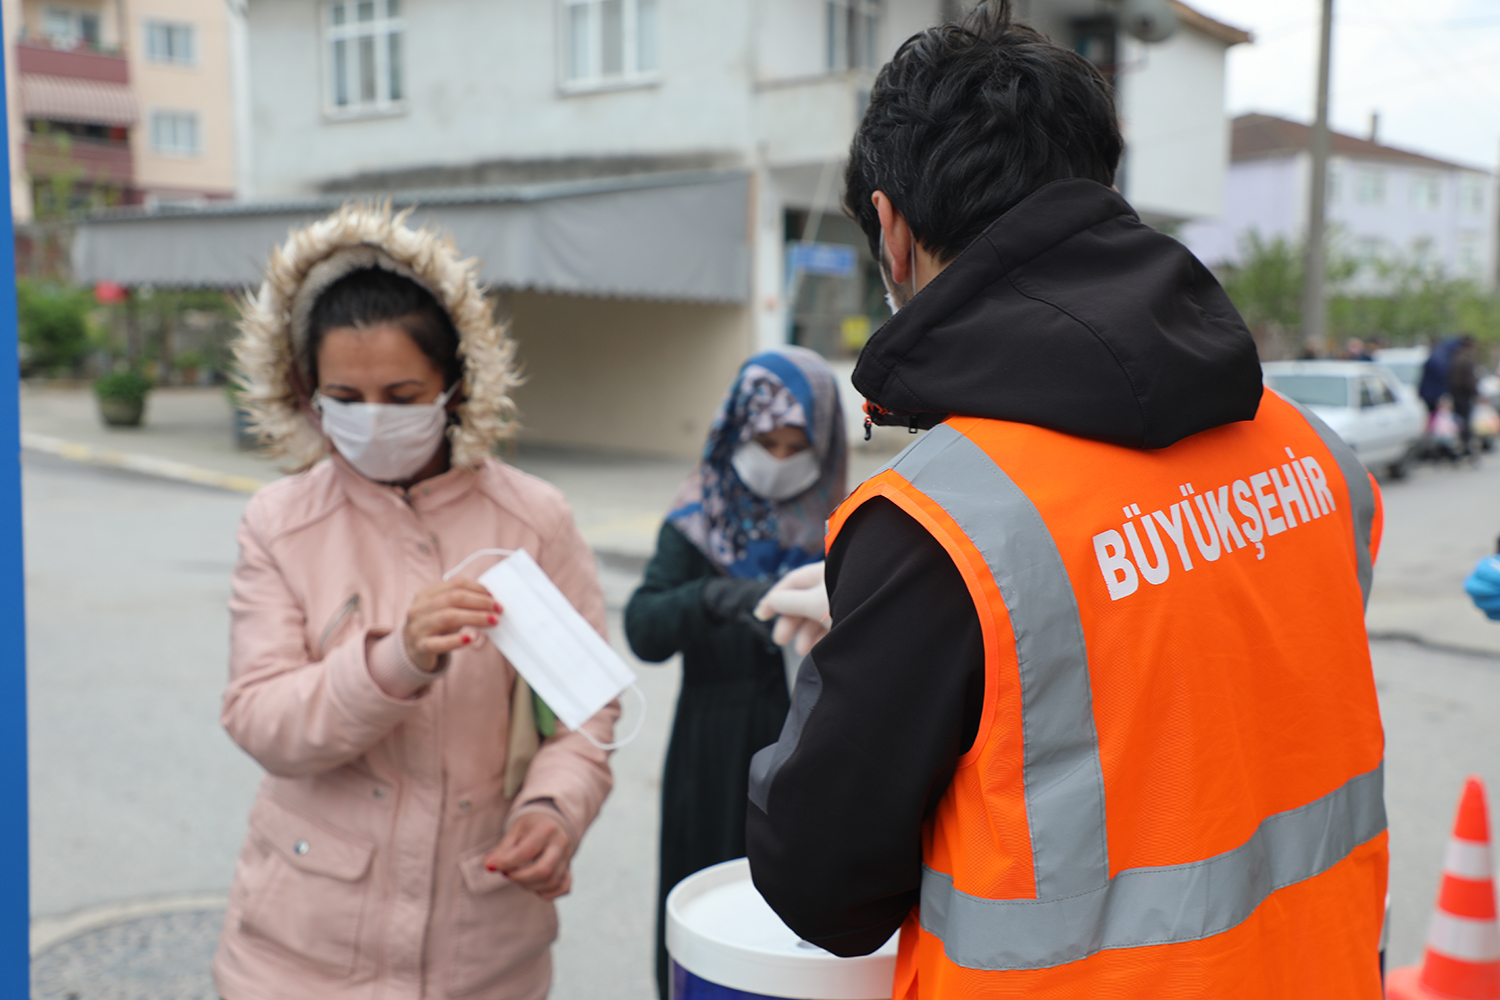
755,508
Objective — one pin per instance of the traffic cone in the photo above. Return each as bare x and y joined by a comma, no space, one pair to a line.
1463,943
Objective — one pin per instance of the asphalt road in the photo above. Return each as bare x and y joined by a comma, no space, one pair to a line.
137,793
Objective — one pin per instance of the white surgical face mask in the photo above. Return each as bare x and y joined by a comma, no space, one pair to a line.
550,644
771,477
896,295
386,442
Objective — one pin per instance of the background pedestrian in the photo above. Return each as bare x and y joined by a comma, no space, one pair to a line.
400,845
773,469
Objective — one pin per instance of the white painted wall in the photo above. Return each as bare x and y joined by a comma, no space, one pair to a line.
790,39
1176,133
483,83
1265,195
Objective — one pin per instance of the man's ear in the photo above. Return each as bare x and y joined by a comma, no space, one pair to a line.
897,237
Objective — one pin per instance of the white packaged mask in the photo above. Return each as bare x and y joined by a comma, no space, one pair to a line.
771,477
386,442
550,644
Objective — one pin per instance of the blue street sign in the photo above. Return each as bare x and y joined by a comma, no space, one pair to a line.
835,260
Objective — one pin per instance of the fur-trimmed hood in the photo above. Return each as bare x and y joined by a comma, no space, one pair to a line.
276,390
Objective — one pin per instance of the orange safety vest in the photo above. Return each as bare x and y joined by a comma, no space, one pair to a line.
1176,786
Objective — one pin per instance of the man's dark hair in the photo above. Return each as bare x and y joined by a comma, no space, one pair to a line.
371,296
968,119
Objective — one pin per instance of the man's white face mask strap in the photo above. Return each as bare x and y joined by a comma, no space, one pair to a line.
897,294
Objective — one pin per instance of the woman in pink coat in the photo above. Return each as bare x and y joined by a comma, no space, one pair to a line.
413,826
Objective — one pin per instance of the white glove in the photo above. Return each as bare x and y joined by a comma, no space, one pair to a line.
799,603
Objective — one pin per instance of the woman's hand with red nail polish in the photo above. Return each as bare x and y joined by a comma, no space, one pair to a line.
445,617
535,854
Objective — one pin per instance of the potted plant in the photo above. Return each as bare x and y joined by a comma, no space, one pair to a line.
122,397
188,364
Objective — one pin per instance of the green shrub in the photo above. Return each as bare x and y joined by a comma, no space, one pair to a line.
54,323
128,384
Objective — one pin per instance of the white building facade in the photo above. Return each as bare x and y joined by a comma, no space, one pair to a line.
419,99
1384,204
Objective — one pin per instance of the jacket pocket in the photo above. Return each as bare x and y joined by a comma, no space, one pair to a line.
310,902
501,932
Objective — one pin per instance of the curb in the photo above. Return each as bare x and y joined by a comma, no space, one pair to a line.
1417,639
147,465
48,931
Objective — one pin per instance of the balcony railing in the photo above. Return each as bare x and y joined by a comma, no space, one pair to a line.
38,56
99,161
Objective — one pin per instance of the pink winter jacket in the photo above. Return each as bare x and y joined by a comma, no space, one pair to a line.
362,875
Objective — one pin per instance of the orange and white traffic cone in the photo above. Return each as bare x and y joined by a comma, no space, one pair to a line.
1463,943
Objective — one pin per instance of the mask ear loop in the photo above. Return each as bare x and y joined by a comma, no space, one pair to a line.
502,553
640,723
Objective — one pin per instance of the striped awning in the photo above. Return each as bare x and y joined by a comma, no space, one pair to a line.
70,99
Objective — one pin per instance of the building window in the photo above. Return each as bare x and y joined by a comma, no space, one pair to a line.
169,42
364,72
1470,253
1369,249
67,28
1426,191
853,27
1471,195
1369,187
175,133
1424,253
609,41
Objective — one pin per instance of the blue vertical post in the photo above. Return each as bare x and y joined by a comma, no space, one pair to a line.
15,878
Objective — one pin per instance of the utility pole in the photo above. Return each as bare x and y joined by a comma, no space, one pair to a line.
1314,299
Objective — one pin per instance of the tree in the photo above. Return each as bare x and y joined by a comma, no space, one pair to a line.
1266,286
1398,300
54,324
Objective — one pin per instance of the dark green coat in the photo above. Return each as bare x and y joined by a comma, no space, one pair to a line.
733,702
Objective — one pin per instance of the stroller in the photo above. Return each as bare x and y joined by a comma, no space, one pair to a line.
1442,440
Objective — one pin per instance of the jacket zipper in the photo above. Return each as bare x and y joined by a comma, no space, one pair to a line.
350,606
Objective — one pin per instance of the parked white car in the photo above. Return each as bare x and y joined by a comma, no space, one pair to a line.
1405,362
1362,402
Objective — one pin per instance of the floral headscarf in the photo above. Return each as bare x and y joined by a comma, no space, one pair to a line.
744,533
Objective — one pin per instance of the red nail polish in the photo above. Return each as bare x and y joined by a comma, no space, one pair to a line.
467,639
497,605
493,619
490,868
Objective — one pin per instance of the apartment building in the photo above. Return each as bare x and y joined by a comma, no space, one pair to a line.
114,103
1384,203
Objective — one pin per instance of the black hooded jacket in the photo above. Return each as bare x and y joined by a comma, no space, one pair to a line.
1067,313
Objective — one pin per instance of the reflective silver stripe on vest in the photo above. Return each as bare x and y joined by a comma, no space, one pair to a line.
1148,906
1064,782
1361,496
1079,909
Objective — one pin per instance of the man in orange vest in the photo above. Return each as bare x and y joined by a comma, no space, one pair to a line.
1095,716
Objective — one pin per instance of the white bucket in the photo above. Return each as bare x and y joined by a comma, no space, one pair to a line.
726,942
